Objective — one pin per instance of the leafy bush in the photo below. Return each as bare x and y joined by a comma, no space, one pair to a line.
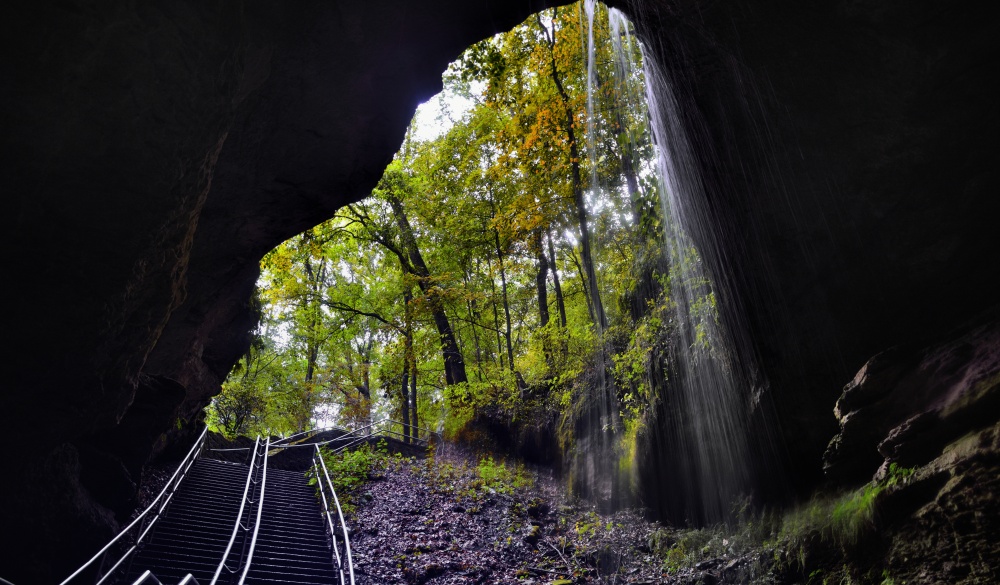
473,483
497,476
351,469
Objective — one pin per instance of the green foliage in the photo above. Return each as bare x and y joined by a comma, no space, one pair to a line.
497,476
471,484
350,469
442,476
824,524
749,533
345,314
843,519
260,396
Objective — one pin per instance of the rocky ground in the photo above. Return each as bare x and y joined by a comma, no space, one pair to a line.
453,519
459,518
438,521
443,521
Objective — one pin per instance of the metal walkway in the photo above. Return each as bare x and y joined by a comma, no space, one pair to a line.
218,523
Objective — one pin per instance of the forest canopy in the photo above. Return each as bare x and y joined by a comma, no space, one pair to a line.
507,271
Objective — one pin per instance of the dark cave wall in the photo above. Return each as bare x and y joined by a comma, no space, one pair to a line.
851,165
154,151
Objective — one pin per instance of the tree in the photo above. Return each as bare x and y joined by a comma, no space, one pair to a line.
487,260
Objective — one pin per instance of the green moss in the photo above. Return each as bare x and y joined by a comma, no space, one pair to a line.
842,519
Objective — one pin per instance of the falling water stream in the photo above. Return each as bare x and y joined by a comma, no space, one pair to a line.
706,439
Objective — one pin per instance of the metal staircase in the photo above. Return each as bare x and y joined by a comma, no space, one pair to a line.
293,546
218,522
193,535
225,523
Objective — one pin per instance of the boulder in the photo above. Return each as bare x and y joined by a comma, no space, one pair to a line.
906,406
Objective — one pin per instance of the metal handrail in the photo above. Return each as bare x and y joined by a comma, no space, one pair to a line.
387,430
305,432
148,577
388,423
362,438
145,524
239,516
319,463
260,509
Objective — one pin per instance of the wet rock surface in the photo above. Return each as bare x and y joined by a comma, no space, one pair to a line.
948,533
906,405
935,412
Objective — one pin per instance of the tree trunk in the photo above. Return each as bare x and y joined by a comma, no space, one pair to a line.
454,364
315,283
583,282
404,410
541,280
413,399
560,303
404,398
625,144
598,315
496,318
506,303
473,307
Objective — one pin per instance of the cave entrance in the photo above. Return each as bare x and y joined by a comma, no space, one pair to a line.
522,266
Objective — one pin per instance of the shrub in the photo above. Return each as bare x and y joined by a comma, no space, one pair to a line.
351,469
497,476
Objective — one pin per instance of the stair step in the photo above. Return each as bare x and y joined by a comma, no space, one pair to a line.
292,546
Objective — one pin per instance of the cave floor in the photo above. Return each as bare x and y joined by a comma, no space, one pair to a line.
434,521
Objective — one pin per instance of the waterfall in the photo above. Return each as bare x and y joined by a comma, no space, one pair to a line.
705,439
595,459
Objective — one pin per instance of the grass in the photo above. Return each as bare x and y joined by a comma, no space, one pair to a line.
840,521
500,477
464,481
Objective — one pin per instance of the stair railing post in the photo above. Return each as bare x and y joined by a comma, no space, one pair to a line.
260,508
343,525
99,574
149,523
317,458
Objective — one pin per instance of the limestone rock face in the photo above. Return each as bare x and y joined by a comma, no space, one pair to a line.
924,424
906,406
940,525
849,161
